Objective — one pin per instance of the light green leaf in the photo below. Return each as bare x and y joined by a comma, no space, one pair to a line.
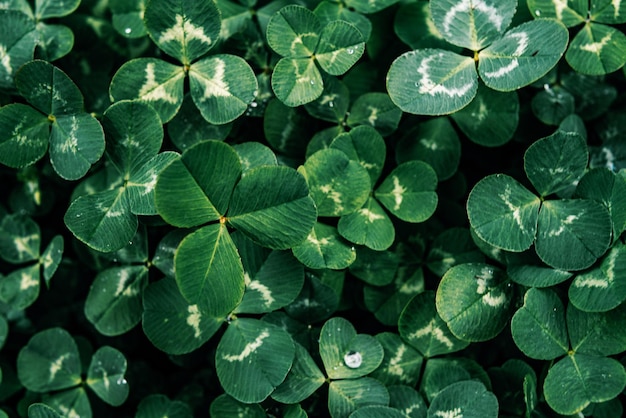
578,380
197,188
572,234
105,375
302,381
570,12
475,300
408,192
134,134
340,46
171,323
369,226
401,363
556,162
599,289
445,81
157,405
76,143
20,239
537,275
20,288
24,135
273,279
491,118
597,49
141,184
607,11
538,327
338,185
346,396
73,401
346,354
154,81
297,81
183,30
49,361
19,38
113,304
435,142
523,55
364,145
597,334
254,154
45,9
222,86
260,351
467,399
324,248
509,221
293,31
103,221
55,41
376,110
48,89
209,272
472,24
283,214
41,410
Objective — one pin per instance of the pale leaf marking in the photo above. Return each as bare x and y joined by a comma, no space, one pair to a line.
216,86
56,365
27,281
249,348
183,30
395,368
596,47
434,332
5,60
506,196
371,216
522,44
453,413
256,285
193,320
465,6
428,86
151,90
397,192
334,196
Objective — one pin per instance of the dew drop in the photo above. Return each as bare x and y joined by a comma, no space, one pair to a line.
350,51
78,215
338,329
130,243
417,84
353,359
127,30
253,104
331,104
312,81
537,12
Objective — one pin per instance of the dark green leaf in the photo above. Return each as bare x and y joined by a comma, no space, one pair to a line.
346,396
24,135
324,248
105,375
468,399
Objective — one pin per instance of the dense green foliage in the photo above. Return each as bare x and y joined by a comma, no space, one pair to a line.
291,208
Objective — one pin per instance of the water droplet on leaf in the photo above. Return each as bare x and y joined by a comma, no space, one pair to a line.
350,51
353,359
127,30
312,81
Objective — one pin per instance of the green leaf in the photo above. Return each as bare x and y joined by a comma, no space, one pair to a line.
369,226
401,363
374,411
303,379
224,406
570,13
154,81
197,188
222,86
538,327
260,351
578,380
377,268
293,31
113,304
55,41
607,11
20,288
24,135
475,299
20,239
317,300
74,401
209,272
537,275
19,39
407,399
141,184
338,185
103,221
297,81
556,162
51,258
273,279
285,127
254,154
597,50
599,289
324,248
332,105
435,142
508,222
105,375
553,104
157,405
597,334
367,7
523,55
45,9
452,247
49,361
328,11
413,24
340,46
171,323
346,354
376,110
445,81
346,396
127,17
491,118
572,234
468,399
408,192
76,143
183,30
283,214
472,25
40,410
